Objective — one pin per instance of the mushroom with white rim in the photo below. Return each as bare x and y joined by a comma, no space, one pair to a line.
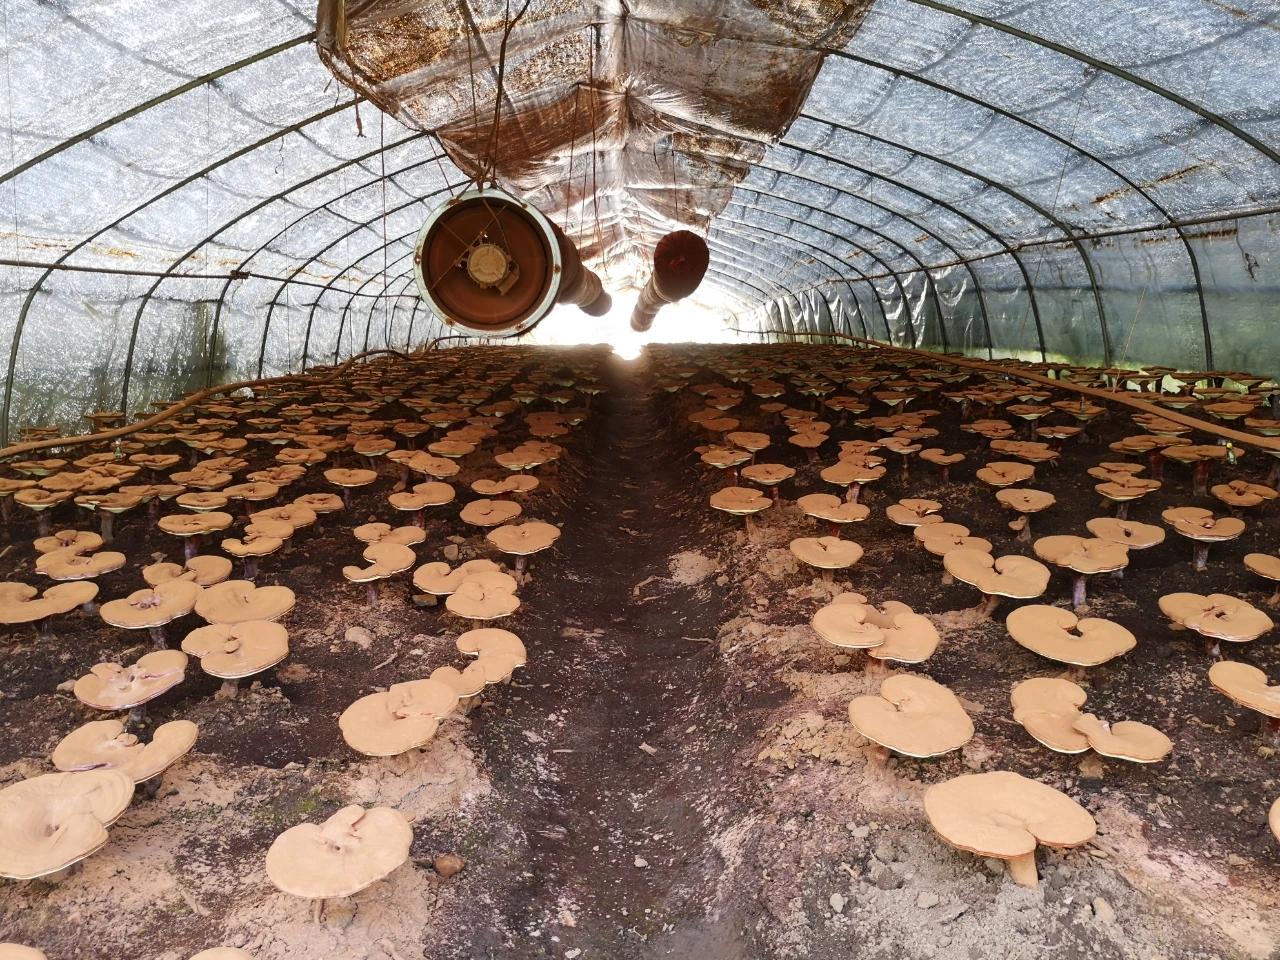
742,502
1025,502
1083,557
1019,578
1004,815
1248,686
1267,566
1060,635
1216,617
386,559
106,745
112,686
235,601
21,603
233,651
353,849
522,540
151,609
499,652
826,553
914,716
402,718
1201,526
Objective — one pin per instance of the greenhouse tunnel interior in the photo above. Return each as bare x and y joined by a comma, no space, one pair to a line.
756,213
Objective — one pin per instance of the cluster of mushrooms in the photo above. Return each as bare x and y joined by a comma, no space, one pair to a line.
858,417
231,485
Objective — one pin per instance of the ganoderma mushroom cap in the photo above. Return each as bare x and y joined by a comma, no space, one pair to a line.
1218,615
50,822
1125,740
767,474
71,565
16,951
152,607
385,533
489,513
1241,493
78,541
235,601
204,570
221,953
1087,555
437,579
1004,815
1059,635
826,553
232,651
497,652
844,623
914,716
523,539
111,686
1199,524
1011,576
909,637
827,506
1005,473
385,559
350,478
348,852
1048,708
20,603
913,512
104,744
195,524
1247,686
739,501
400,719
1134,535
475,600
941,538
467,682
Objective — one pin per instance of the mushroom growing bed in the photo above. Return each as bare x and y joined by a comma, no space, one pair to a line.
672,771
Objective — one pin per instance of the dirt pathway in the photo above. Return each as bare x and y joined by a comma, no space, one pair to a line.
611,761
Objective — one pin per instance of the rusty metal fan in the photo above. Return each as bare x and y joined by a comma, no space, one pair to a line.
488,262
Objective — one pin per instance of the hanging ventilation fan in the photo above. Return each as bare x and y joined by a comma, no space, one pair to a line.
490,263
680,261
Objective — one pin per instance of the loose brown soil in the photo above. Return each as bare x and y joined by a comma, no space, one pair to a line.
673,774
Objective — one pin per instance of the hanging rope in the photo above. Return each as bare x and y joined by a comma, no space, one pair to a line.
490,158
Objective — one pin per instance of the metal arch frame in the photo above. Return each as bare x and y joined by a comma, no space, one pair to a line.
1071,145
155,198
222,296
144,106
895,274
884,313
950,208
911,219
734,250
1070,234
1204,113
226,225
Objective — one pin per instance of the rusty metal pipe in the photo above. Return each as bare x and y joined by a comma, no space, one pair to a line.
680,261
579,286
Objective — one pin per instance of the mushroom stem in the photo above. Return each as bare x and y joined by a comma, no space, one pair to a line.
229,690
522,561
6,509
1122,510
1200,475
43,526
107,525
158,639
833,529
751,526
946,472
773,490
1273,475
1024,532
828,576
1274,599
1271,731
346,497
371,593
1213,647
851,495
251,568
988,605
947,579
317,911
1079,593
137,718
1201,557
1156,461
1022,870
150,787
190,547
59,875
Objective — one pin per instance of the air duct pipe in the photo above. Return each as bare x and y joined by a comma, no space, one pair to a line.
680,261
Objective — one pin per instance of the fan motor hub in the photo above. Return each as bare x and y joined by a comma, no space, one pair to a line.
488,265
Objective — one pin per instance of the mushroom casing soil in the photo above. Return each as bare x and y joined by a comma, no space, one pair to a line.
673,773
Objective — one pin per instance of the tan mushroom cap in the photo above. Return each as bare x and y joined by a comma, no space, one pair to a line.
1263,564
941,457
402,718
1011,576
1059,635
1086,555
826,553
516,483
768,474
71,565
231,651
739,501
78,541
914,716
467,682
1048,708
489,513
1241,493
1026,500
844,623
385,559
1200,524
319,502
111,686
497,652
747,440
1273,818
221,953
296,515
21,603
1247,686
474,600
909,637
913,512
17,951
385,533
941,538
253,546
523,539
351,850
204,570
1134,535
235,601
1125,740
105,744
1005,815
827,506
152,607
1217,615
195,524
1005,473
436,578
340,477
853,470
53,821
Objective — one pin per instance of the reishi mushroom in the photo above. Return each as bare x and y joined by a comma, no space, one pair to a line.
914,716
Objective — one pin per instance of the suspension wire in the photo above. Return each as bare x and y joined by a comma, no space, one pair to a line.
382,157
490,159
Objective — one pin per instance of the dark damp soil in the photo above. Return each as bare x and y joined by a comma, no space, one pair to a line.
672,774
